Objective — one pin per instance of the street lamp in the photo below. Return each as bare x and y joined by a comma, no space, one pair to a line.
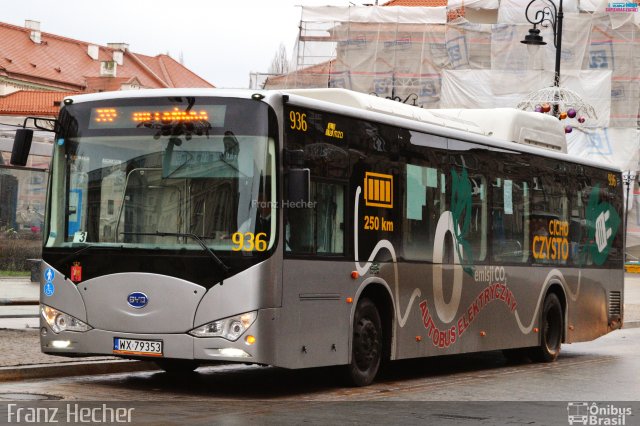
562,99
548,15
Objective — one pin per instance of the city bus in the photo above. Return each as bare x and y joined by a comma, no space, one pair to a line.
320,227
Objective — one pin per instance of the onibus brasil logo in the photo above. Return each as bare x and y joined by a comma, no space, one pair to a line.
621,7
583,413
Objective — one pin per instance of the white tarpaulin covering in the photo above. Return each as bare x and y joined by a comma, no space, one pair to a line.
415,55
474,4
593,5
507,51
618,19
614,146
512,11
376,14
399,52
505,88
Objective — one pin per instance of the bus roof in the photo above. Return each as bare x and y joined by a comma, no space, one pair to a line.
537,133
506,124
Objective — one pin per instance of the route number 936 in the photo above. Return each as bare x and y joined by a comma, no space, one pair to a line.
298,121
248,241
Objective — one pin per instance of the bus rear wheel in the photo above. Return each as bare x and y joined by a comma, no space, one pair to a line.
177,366
366,347
551,327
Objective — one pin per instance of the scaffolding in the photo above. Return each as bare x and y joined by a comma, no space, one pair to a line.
439,57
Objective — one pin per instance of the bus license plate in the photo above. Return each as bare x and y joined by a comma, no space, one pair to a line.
137,347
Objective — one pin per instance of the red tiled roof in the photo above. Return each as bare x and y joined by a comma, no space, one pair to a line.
312,76
38,103
64,63
451,14
420,3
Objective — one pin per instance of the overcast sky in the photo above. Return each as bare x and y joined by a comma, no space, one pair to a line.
221,40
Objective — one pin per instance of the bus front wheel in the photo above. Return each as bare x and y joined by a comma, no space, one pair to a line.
551,327
366,347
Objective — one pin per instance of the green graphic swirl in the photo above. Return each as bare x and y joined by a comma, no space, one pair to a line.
602,223
461,211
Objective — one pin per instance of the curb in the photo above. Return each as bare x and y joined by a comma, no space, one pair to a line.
42,371
630,324
18,302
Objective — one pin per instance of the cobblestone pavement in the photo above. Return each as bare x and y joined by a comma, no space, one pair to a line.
22,347
18,289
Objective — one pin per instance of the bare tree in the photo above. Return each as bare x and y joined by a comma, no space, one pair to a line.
280,62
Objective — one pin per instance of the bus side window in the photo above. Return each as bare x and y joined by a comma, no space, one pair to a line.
299,229
510,220
584,230
478,232
550,226
424,203
578,232
318,228
329,209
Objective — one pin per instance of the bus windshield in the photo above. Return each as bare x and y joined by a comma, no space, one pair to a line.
162,173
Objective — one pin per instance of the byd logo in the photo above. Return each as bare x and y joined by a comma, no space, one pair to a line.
137,300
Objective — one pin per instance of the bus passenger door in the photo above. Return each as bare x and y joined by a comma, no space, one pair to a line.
316,276
316,270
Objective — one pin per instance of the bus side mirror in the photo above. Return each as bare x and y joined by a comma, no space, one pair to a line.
21,147
299,186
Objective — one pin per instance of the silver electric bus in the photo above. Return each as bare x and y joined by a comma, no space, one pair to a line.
324,227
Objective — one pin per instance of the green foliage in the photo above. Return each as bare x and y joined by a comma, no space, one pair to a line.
19,274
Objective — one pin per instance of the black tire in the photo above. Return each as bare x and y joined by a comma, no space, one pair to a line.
366,346
177,366
551,329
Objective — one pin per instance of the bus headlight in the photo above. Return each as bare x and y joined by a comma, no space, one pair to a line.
230,328
59,321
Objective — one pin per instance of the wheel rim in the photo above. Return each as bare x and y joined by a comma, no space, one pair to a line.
366,345
552,330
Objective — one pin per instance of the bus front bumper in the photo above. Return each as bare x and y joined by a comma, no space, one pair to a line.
174,346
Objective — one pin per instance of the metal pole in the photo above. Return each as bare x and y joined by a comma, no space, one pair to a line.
556,80
558,44
627,181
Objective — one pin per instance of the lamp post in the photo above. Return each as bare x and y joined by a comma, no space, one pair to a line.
548,15
562,99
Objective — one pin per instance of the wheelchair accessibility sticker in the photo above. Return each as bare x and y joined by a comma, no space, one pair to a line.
48,289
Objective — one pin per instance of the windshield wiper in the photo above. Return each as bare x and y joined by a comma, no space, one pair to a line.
206,248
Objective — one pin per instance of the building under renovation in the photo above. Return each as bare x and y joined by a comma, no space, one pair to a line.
467,54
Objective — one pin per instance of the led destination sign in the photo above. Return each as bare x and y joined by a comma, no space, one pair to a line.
136,116
175,115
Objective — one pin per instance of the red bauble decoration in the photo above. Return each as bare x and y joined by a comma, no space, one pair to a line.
563,115
546,107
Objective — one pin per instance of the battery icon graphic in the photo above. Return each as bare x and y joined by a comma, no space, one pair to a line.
378,190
